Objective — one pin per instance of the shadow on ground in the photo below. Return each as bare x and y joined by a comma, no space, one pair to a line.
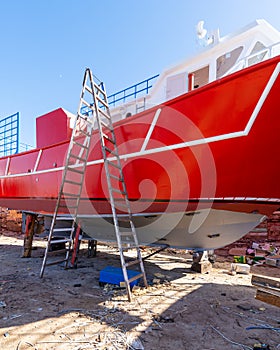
180,310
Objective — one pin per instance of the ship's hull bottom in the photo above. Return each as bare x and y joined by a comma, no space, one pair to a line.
204,229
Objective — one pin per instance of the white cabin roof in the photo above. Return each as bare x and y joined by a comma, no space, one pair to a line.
249,45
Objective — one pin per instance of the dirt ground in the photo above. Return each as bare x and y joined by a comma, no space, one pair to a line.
181,309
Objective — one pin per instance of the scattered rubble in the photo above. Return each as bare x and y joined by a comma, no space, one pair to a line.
10,220
259,247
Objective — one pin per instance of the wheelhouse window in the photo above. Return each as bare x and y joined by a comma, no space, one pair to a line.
257,54
227,61
201,77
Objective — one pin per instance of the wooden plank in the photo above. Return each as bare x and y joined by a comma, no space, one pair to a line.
268,296
268,289
28,235
266,282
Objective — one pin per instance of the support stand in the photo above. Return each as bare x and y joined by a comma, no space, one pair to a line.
201,262
92,248
28,234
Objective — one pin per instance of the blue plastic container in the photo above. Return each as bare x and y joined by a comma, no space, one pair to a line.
114,275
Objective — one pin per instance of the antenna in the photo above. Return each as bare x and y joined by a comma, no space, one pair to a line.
200,31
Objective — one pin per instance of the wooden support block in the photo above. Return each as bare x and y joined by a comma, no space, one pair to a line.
28,235
92,248
76,247
202,267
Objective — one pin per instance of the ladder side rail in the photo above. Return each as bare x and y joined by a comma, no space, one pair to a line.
87,140
112,202
73,136
109,126
75,214
117,153
58,203
76,133
100,129
129,212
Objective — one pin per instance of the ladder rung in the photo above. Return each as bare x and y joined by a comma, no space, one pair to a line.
80,144
108,138
116,177
123,205
85,117
65,194
88,89
85,103
102,102
64,229
113,164
55,262
99,88
135,277
120,204
107,126
104,114
79,158
118,191
85,133
64,218
75,170
133,262
125,218
62,240
126,233
111,151
73,182
62,205
81,137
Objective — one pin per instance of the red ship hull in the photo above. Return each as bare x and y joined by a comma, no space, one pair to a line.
212,148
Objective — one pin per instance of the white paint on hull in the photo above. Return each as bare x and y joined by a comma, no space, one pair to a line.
204,229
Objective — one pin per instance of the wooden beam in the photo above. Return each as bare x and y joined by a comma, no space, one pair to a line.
269,297
28,235
268,289
266,282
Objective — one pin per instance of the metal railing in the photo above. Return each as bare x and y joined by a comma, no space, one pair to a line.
128,94
23,147
256,57
132,92
9,135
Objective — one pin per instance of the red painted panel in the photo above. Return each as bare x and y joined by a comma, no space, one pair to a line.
23,163
3,164
53,127
53,157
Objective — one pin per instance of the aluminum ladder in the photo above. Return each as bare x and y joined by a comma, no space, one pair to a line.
72,179
126,237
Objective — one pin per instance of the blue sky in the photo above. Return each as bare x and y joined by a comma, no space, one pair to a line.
47,44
